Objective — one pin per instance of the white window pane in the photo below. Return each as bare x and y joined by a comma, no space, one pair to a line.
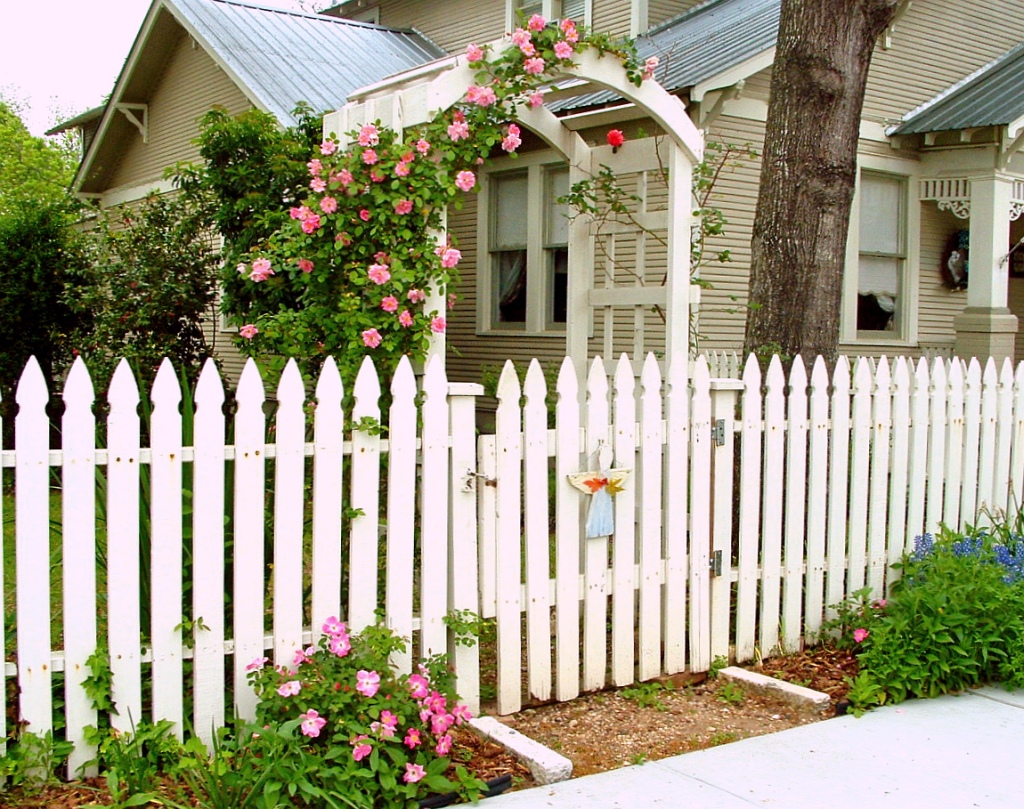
558,214
510,215
880,212
878,275
529,7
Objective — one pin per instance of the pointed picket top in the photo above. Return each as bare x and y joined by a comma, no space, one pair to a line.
650,375
209,388
939,377
974,374
798,377
124,392
330,390
435,381
1018,380
32,385
597,382
568,384
78,388
956,376
1006,374
990,376
250,391
901,376
509,390
403,383
166,390
922,375
775,379
752,373
819,377
291,391
625,379
841,375
535,388
882,371
366,390
862,381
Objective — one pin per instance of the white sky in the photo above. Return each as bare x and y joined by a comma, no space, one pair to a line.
60,58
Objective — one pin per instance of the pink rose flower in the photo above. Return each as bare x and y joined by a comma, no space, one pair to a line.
315,167
536,23
528,49
379,274
371,339
615,138
261,270
305,265
422,146
328,205
344,177
328,147
465,180
416,296
332,626
567,25
536,99
259,662
402,170
650,66
360,751
563,50
419,686
481,96
534,66
289,689
368,682
860,634
520,37
311,224
403,206
452,298
405,318
369,157
458,130
444,745
319,185
389,304
412,739
450,257
364,215
438,325
377,176
474,53
340,644
413,773
242,268
312,723
511,141
462,714
368,135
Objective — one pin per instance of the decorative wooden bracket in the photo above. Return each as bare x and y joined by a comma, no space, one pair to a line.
132,113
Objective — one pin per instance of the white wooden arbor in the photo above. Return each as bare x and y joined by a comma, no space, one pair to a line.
416,97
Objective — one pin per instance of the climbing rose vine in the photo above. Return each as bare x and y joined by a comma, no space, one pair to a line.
348,274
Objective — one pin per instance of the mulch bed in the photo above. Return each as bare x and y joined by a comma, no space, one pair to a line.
823,668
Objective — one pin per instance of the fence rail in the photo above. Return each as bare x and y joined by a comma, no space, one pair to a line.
750,505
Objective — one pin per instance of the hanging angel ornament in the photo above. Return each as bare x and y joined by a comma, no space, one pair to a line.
602,486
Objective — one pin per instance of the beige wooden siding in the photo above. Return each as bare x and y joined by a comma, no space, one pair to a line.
935,44
612,16
452,26
191,84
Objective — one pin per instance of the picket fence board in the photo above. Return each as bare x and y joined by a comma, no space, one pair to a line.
32,558
249,520
838,496
700,519
508,434
536,537
936,446
817,498
675,502
772,498
987,449
860,460
624,546
723,413
487,458
795,493
363,531
918,470
1016,493
971,435
78,516
434,512
749,511
401,531
208,556
878,486
328,491
954,445
595,603
1004,433
649,485
897,513
568,509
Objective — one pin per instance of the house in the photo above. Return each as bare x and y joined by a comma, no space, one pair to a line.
193,55
940,167
940,163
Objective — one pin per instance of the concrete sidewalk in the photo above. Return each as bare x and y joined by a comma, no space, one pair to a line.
953,752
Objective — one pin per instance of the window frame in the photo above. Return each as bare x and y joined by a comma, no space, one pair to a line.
907,309
550,10
538,167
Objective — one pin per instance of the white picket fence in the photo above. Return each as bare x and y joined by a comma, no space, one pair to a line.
830,478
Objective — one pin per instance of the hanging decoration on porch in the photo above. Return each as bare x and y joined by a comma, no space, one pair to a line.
602,485
956,268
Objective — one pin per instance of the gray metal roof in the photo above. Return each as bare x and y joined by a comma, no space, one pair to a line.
991,96
704,42
281,56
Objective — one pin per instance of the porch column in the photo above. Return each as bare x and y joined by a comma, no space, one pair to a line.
680,223
986,327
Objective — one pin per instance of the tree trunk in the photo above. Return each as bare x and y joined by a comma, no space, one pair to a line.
808,172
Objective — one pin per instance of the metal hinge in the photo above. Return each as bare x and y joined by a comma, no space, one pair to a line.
718,433
715,564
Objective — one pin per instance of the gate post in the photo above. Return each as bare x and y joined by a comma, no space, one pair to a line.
463,580
724,399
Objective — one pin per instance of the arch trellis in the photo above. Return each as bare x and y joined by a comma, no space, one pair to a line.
417,96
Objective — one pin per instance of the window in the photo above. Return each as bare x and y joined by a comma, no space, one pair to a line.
527,235
878,294
577,10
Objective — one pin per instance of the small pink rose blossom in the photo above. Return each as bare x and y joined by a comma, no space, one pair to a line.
379,274
361,751
311,224
289,689
452,298
368,682
536,23
563,50
481,96
340,644
567,25
536,99
332,626
615,138
458,130
377,176
534,66
242,268
261,270
413,773
389,304
259,662
402,170
368,135
412,739
650,66
344,177
419,686
369,157
465,180
312,723
315,167
422,146
444,745
474,53
450,257
520,37
860,634
439,723
416,296
298,213
371,339
528,49
461,714
511,141
319,185
305,265
438,325
328,205
405,318
364,215
328,147
403,206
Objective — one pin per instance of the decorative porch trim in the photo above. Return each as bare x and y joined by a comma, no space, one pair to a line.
949,193
131,112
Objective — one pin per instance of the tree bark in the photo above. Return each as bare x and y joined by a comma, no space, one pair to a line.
808,172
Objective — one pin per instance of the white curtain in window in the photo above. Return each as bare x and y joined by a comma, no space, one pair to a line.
880,211
510,212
